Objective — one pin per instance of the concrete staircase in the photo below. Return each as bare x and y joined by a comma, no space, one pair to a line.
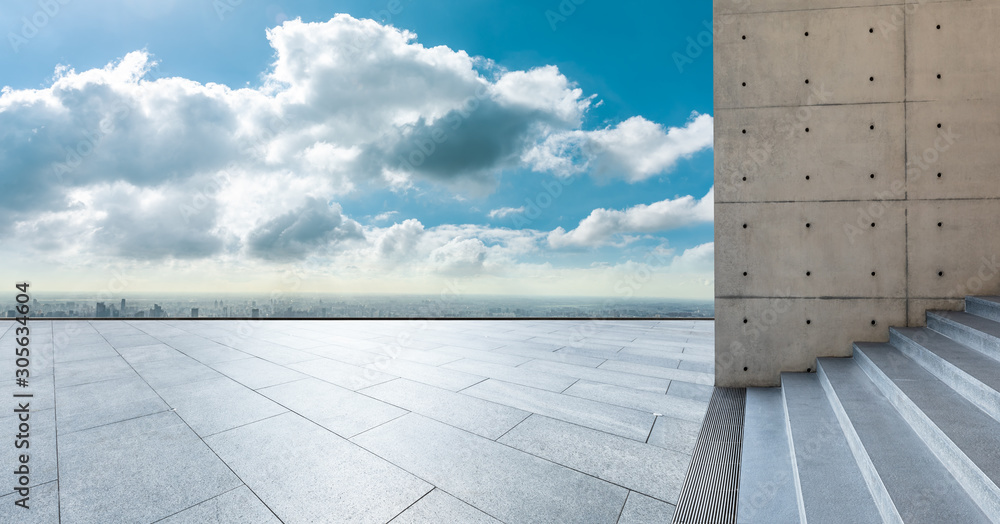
907,431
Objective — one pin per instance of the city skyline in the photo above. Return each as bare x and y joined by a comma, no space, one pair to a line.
362,306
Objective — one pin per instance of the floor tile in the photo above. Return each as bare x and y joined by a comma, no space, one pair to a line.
292,464
238,506
675,434
150,353
616,420
671,406
701,392
92,370
475,415
341,374
340,410
256,373
42,450
514,375
444,378
650,470
602,375
657,371
218,404
501,481
174,372
43,506
640,509
155,466
98,403
440,507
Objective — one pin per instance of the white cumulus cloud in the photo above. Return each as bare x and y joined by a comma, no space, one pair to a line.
633,150
603,226
505,212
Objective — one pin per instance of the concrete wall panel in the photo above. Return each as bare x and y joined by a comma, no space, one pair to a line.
953,51
958,258
917,308
961,141
821,327
763,6
824,249
935,238
844,58
841,157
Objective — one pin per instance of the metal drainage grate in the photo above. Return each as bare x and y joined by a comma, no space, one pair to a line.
709,495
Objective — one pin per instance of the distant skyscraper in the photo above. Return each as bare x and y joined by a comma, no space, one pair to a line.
255,313
194,312
123,307
101,311
157,311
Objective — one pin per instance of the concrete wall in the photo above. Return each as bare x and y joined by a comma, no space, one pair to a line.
857,167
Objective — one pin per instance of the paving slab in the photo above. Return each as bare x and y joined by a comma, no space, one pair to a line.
496,356
440,507
640,509
344,375
701,392
139,470
129,340
43,506
513,375
256,373
616,420
42,451
92,370
487,419
188,341
291,464
667,405
239,505
674,434
693,377
650,470
503,482
174,372
567,357
151,353
214,405
215,353
450,379
98,403
602,375
700,367
77,351
340,410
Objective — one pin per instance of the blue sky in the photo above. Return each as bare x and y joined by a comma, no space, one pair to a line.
608,92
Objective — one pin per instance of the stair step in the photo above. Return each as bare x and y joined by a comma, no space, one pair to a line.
960,434
978,333
830,487
971,373
766,469
986,307
921,488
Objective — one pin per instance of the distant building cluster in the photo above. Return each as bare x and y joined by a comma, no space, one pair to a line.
378,306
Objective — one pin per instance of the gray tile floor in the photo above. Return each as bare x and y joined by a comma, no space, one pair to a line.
357,421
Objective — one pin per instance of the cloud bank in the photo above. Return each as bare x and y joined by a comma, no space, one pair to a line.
117,163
